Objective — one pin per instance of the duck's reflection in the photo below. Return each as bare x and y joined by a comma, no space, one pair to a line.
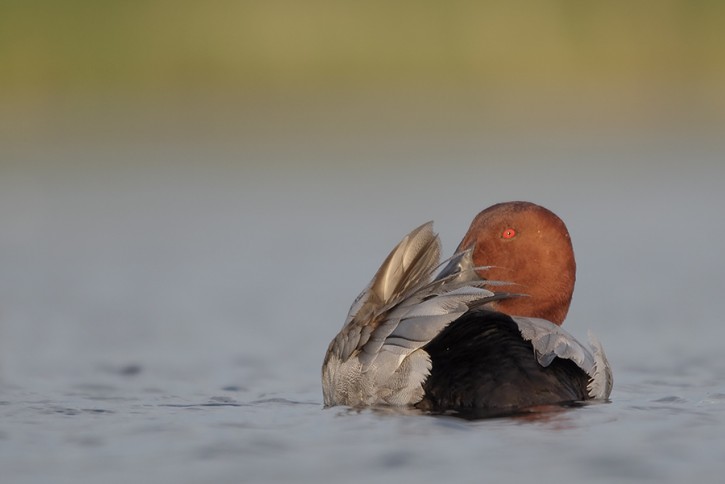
557,413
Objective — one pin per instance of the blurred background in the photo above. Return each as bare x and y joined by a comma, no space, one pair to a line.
193,193
219,179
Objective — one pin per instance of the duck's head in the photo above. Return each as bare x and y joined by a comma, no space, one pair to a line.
529,246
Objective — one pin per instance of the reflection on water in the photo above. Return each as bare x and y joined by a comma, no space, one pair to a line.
541,413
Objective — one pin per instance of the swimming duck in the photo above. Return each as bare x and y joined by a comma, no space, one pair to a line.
480,331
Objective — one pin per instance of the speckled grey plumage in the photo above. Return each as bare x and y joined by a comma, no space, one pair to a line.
377,357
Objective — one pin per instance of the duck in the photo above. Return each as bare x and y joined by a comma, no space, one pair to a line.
479,332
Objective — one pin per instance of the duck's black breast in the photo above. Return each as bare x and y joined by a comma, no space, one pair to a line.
481,361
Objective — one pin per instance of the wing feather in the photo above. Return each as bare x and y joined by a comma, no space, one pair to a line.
377,357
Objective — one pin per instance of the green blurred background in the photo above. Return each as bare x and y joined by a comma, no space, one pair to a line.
72,47
613,59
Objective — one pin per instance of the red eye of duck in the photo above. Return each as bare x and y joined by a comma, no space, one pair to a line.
508,234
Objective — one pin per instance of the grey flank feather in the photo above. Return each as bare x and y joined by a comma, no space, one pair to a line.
550,342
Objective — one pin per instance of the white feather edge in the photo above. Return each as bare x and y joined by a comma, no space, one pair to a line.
600,384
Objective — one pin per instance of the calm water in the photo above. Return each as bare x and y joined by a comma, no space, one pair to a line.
164,319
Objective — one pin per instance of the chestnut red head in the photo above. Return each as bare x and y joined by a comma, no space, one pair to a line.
529,246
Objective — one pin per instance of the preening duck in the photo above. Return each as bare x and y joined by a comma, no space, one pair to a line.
479,332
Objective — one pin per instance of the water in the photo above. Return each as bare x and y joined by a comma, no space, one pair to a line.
164,319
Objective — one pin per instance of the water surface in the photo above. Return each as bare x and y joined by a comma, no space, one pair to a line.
165,304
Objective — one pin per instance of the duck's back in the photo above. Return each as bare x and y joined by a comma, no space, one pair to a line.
482,361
